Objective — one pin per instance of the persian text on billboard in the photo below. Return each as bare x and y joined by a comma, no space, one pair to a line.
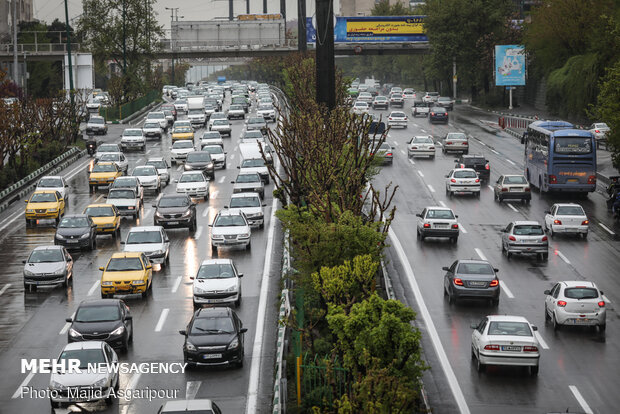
375,29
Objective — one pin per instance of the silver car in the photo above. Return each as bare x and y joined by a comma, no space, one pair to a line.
463,180
211,138
455,142
152,129
525,237
230,229
249,182
575,303
133,138
251,205
162,167
420,108
421,145
512,186
148,176
218,155
437,222
96,125
566,218
151,240
48,265
116,157
222,126
158,116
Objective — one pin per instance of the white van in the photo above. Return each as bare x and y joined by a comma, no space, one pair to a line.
252,160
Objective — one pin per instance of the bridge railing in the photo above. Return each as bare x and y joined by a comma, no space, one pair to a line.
38,48
187,45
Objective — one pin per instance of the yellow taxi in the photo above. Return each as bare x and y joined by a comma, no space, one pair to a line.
106,217
126,273
103,173
44,204
180,132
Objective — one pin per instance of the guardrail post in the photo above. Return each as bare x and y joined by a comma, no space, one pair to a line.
299,381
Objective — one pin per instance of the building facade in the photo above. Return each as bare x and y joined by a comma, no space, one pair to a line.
25,13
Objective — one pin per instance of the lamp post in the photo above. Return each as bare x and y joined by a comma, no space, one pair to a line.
124,39
172,10
69,53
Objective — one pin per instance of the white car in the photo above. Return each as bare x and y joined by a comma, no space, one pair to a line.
96,125
505,340
130,182
180,149
217,282
148,176
230,229
151,240
102,378
463,181
248,182
430,97
54,183
217,155
197,116
568,218
421,145
103,148
267,111
222,126
409,93
126,200
365,97
194,184
236,112
117,158
162,168
180,105
251,205
256,165
211,138
158,116
133,138
256,123
152,129
360,107
215,116
576,303
599,130
397,119
438,222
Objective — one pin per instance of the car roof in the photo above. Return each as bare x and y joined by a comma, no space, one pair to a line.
438,208
45,192
174,195
210,312
121,255
526,223
567,205
464,169
99,302
227,212
139,229
216,261
244,195
186,405
132,129
106,163
507,318
50,247
155,159
83,345
479,261
578,283
75,216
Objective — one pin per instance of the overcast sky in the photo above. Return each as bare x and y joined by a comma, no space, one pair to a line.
48,10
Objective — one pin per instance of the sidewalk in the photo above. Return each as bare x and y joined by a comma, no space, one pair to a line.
605,168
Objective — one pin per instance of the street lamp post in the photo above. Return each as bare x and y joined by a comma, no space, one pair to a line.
172,10
69,53
124,39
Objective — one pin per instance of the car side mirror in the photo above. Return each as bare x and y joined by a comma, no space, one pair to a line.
445,268
149,266
232,182
496,270
474,326
69,259
26,201
446,176
240,274
264,205
101,268
122,242
456,216
183,332
547,211
547,292
238,167
456,160
66,185
210,225
154,205
503,230
486,160
69,320
243,330
418,215
534,327
128,317
191,277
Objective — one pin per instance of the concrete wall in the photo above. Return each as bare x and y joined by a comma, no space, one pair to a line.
218,33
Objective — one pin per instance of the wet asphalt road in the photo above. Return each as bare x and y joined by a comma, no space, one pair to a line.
578,366
32,325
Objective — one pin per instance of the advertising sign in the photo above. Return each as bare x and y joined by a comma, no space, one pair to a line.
509,65
374,29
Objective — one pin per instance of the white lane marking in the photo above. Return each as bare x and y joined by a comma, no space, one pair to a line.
205,213
507,291
156,144
221,179
198,233
510,161
512,207
179,167
255,370
24,383
416,125
420,173
147,213
191,389
462,228
541,340
232,156
162,319
396,143
494,152
403,152
559,253
12,219
4,288
411,161
607,229
430,325
149,151
94,287
66,327
134,381
490,187
76,170
98,199
442,204
480,254
430,187
582,402
214,194
423,130
176,285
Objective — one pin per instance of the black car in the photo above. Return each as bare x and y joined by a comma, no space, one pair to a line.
76,231
175,210
106,320
472,279
200,161
438,114
475,162
214,336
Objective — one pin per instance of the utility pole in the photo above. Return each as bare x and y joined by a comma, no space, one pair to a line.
301,26
14,20
124,39
68,52
265,6
172,9
230,10
247,6
325,69
283,11
454,78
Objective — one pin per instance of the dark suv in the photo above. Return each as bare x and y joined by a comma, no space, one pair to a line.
476,162
472,279
175,210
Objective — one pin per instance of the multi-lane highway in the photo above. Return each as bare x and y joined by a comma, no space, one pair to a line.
578,367
32,325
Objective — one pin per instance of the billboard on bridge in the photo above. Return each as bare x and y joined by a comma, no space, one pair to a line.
373,29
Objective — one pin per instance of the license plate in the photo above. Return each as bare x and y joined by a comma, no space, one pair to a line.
477,283
441,226
578,321
212,356
511,348
173,222
515,189
572,180
72,241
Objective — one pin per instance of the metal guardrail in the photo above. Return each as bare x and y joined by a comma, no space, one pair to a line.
280,384
38,48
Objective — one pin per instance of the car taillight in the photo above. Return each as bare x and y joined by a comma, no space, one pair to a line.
553,179
494,283
455,226
452,180
544,238
597,131
426,225
585,223
477,180
432,113
414,147
512,238
530,349
559,222
458,281
465,143
601,304
592,179
492,347
561,303
390,118
448,143
430,148
527,189
389,154
504,189
487,167
462,165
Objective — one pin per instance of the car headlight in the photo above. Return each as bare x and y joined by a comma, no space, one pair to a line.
57,386
217,236
131,208
83,236
60,236
187,213
118,331
29,210
59,272
159,252
198,289
244,235
107,283
28,273
74,334
189,346
158,214
234,344
252,215
137,282
100,383
233,288
210,165
52,210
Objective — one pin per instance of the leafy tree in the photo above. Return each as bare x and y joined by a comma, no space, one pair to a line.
608,109
384,8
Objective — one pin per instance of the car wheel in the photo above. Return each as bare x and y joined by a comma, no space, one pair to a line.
55,404
65,283
262,225
454,240
495,302
584,235
480,366
551,234
547,317
556,325
444,151
192,226
109,400
145,294
206,197
601,328
534,370
103,295
478,194
500,199
248,246
451,299
214,248
545,256
238,301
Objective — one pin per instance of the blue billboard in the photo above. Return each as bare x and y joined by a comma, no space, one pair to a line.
374,29
509,65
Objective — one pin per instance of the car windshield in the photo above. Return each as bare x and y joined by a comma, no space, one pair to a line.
248,178
253,134
440,214
96,121
211,135
265,107
475,269
229,221
118,193
573,145
125,182
256,121
380,98
396,95
510,328
151,125
50,182
253,162
98,314
438,109
236,108
474,160
515,180
144,171
570,211
601,126
141,237
238,202
455,135
195,112
423,140
442,99
109,157
108,148
180,102
104,168
581,293
173,202
220,122
215,271
398,115
205,326
218,115
156,115
192,178
528,230
87,357
182,130
465,174
198,156
132,133
420,104
361,104
43,198
46,256
123,264
102,211
73,222
213,149
183,145
160,165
